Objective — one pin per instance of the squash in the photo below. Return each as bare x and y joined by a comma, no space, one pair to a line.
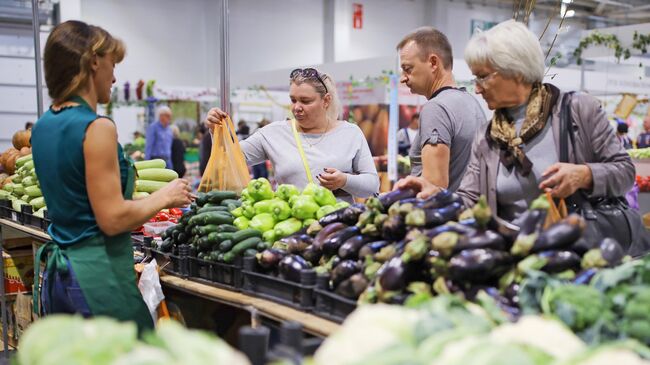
22,139
25,151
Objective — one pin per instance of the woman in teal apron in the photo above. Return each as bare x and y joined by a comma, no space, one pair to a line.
87,183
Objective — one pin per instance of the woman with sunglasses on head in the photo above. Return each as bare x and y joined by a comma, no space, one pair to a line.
336,151
518,155
87,181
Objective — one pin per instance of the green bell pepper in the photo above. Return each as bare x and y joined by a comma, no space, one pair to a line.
310,189
287,228
263,206
280,209
248,210
304,207
245,196
241,223
341,205
286,191
237,212
262,222
269,236
324,196
324,210
308,222
260,189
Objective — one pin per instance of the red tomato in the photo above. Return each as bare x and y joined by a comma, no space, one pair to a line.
161,217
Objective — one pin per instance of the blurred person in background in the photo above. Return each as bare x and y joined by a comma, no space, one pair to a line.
406,136
178,152
159,137
243,130
643,140
260,169
621,133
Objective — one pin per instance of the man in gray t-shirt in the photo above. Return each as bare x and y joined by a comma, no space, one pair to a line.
449,120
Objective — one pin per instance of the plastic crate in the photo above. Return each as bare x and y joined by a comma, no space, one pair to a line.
297,295
29,219
330,305
217,273
5,209
174,262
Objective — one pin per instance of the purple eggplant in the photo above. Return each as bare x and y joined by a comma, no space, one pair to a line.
393,276
442,199
560,235
484,239
311,254
291,266
332,244
584,277
559,261
450,227
436,264
351,214
344,270
372,248
479,265
353,286
326,232
609,253
270,258
394,228
434,217
384,201
298,243
530,227
349,250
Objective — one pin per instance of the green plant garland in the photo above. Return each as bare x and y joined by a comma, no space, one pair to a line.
640,42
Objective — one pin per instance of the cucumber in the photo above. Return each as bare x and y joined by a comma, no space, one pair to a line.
213,255
229,257
244,234
227,202
155,174
201,199
216,196
149,186
216,238
201,256
206,218
227,228
263,246
204,244
251,252
244,245
182,238
150,164
225,246
206,230
166,245
212,209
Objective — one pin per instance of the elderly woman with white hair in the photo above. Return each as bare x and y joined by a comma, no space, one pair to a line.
336,153
520,153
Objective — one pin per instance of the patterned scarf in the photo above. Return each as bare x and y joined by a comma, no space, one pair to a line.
503,131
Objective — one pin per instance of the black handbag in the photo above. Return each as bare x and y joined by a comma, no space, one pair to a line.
606,217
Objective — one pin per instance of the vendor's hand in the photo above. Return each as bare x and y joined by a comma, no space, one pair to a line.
332,178
564,179
215,117
178,193
424,188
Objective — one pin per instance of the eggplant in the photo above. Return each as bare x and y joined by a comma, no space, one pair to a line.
436,264
326,232
393,275
291,266
560,235
372,248
353,286
332,244
348,215
270,258
531,225
484,239
394,228
584,277
479,265
366,218
344,270
334,217
416,249
349,250
297,243
311,254
435,216
386,253
384,201
450,227
559,261
442,199
609,253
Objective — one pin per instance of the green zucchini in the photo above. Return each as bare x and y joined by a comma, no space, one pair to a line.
225,246
229,257
244,245
216,196
251,252
156,174
263,246
216,238
212,209
227,228
204,244
150,164
149,186
206,218
246,233
205,230
227,202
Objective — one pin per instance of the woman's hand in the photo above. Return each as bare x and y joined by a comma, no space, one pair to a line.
424,188
215,117
564,179
332,178
178,193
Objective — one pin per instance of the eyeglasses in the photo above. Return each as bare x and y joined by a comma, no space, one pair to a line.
308,73
482,80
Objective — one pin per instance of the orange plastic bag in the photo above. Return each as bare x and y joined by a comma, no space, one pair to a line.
226,169
556,213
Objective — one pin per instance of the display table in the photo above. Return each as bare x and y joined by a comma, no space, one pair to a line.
311,324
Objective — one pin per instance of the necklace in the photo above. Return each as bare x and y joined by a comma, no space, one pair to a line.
321,137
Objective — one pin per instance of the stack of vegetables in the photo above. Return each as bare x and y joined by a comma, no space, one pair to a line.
396,246
24,188
208,228
283,212
105,341
448,331
152,176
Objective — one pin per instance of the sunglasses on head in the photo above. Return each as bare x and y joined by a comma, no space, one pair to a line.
308,73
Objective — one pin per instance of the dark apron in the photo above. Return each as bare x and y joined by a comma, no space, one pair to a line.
104,269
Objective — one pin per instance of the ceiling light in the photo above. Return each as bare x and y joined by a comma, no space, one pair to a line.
567,1
570,13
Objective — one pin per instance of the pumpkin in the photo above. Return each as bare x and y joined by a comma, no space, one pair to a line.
9,160
22,139
25,151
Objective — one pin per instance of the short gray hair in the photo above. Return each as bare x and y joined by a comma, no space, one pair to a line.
163,109
509,48
334,110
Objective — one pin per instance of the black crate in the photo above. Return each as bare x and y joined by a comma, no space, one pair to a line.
29,219
171,262
297,295
219,274
330,305
5,209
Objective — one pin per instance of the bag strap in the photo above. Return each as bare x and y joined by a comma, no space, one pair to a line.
301,151
566,128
